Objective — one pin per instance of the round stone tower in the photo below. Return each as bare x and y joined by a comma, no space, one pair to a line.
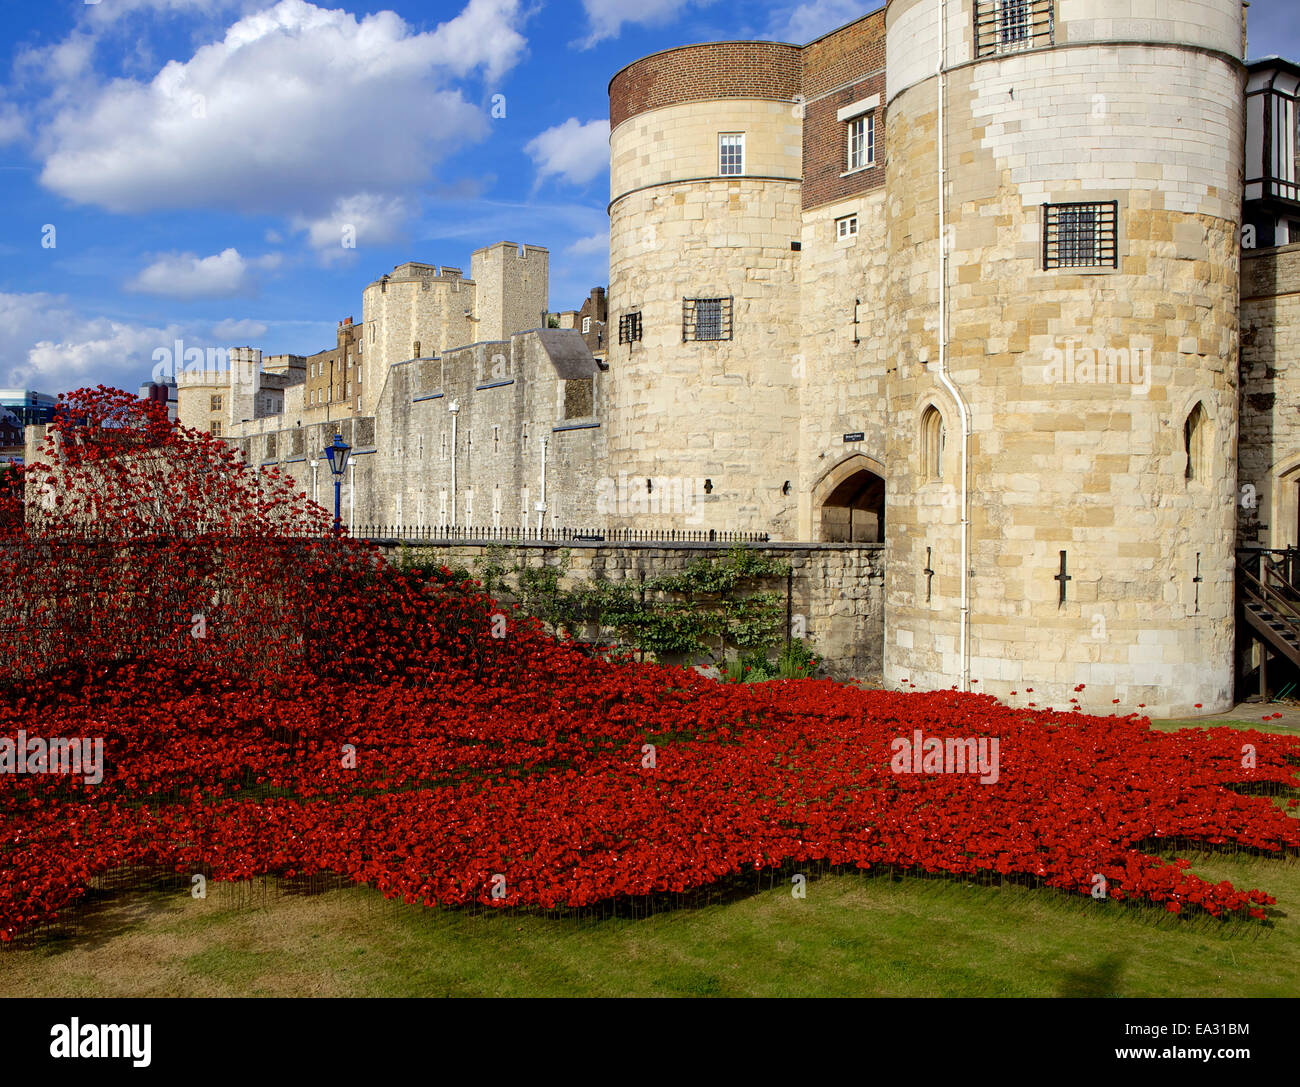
1062,424
706,175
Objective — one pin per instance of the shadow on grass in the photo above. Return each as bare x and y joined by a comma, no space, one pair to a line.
1101,979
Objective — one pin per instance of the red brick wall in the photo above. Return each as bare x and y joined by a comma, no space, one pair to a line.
852,59
696,73
834,71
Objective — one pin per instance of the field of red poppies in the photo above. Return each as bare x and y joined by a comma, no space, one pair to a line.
275,701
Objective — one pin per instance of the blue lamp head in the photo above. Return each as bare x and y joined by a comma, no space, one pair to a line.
337,454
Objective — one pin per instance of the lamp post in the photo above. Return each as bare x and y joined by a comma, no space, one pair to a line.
337,454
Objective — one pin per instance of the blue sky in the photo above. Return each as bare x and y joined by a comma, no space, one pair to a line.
187,168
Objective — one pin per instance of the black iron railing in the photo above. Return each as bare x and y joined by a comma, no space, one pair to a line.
1272,566
419,533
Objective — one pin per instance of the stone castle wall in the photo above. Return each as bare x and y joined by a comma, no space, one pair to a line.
833,336
836,589
1092,468
511,401
1268,480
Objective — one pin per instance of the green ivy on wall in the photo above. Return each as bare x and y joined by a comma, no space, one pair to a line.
719,609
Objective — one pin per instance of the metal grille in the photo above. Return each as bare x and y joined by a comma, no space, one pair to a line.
1080,235
706,319
1009,26
629,327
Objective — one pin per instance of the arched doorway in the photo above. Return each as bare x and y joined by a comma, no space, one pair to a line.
1284,527
849,502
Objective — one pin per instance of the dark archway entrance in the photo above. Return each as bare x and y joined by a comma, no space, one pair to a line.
850,503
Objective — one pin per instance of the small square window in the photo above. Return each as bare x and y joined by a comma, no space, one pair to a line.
706,319
731,154
846,227
1080,235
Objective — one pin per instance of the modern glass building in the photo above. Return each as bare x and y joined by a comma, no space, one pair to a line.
29,407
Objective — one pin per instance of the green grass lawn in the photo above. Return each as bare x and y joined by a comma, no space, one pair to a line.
853,935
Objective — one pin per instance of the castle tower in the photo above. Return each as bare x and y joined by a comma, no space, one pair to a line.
512,288
1062,447
418,311
706,177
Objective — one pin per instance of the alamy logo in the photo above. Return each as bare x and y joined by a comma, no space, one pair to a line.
77,1039
1099,365
57,755
177,362
949,755
656,494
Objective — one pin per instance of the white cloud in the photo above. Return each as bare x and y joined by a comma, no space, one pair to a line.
606,17
60,63
295,111
51,347
481,36
243,332
592,246
185,275
576,152
102,14
12,125
353,222
808,21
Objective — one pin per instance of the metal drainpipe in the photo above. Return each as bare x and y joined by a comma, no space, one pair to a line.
945,380
541,506
454,408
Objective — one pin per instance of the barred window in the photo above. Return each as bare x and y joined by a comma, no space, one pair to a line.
1008,26
629,327
731,154
706,319
1080,235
